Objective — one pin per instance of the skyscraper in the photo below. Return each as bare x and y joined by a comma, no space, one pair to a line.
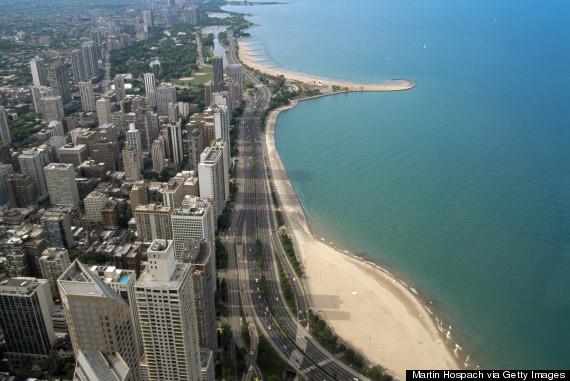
97,317
107,152
165,93
52,108
4,127
32,163
173,193
235,72
78,66
90,58
218,67
200,253
153,222
133,140
61,184
5,171
94,202
174,141
73,154
222,117
148,18
149,83
38,92
139,194
119,83
208,90
211,179
158,155
87,96
39,73
192,221
53,262
222,146
165,301
24,317
56,225
196,147
131,164
21,191
103,110
59,81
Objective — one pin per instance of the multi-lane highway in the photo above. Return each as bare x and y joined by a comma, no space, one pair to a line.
254,219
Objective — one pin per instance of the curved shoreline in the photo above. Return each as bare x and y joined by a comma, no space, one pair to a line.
248,58
394,328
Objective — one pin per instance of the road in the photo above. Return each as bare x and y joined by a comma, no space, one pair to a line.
254,218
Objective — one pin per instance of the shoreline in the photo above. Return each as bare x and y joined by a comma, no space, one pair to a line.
405,334
247,57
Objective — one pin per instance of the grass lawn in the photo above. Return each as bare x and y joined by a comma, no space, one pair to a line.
198,78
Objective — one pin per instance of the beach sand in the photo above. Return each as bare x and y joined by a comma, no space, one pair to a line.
248,58
371,311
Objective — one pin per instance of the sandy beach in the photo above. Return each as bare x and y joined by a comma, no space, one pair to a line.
370,310
247,56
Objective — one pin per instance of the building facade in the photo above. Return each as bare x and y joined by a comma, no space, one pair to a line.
165,303
61,184
98,319
56,225
25,319
211,179
153,222
192,221
87,97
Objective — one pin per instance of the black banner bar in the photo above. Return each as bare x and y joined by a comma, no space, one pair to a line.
524,375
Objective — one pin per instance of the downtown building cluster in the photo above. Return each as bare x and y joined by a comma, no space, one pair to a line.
134,319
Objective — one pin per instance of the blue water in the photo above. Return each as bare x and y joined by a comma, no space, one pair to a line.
462,185
124,279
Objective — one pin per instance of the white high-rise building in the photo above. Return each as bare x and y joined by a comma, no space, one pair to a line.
39,92
211,178
94,202
39,72
134,141
222,146
167,312
53,262
4,127
148,18
52,108
222,119
32,163
192,221
61,184
87,96
149,83
104,111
